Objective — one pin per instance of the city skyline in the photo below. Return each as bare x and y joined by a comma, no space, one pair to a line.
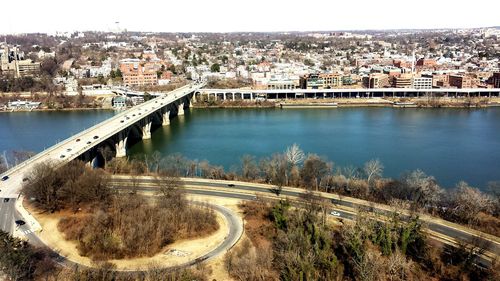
257,16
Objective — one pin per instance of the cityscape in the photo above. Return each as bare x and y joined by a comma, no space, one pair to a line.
272,148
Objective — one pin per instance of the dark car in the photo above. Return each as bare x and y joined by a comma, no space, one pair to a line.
62,156
89,142
121,121
20,222
230,185
77,140
96,137
5,200
4,178
26,179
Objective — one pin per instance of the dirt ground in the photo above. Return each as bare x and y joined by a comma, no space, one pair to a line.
189,249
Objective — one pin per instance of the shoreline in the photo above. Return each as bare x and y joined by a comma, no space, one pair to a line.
55,110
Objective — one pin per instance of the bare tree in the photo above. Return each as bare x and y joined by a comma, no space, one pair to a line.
249,168
467,202
373,169
294,155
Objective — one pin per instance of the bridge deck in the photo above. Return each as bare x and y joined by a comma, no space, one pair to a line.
71,148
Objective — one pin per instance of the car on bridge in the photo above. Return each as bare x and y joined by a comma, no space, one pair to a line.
96,137
20,222
4,178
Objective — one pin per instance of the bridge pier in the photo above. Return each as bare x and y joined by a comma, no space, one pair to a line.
121,145
181,109
146,130
166,118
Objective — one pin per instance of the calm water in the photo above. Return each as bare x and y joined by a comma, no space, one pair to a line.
451,144
34,131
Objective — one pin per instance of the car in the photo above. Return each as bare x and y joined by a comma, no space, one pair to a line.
335,213
89,142
62,156
77,140
5,200
4,178
26,179
133,114
230,185
139,113
121,121
68,150
20,222
96,137
128,118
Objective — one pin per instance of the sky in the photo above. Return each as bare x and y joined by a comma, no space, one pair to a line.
251,15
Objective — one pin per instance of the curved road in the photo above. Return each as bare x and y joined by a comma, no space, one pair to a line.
234,222
445,231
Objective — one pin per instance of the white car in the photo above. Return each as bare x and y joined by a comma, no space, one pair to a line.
335,213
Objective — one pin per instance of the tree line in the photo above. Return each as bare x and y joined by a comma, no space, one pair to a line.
463,204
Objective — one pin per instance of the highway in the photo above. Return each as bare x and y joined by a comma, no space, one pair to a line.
242,190
78,144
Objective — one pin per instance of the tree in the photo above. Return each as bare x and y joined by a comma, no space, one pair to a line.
467,202
215,67
249,168
313,170
294,155
423,189
373,169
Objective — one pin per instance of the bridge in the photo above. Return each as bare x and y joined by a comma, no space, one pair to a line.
108,137
284,94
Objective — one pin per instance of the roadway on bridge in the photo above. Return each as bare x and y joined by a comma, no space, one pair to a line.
78,144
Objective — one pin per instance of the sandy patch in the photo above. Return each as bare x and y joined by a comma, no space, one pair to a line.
193,248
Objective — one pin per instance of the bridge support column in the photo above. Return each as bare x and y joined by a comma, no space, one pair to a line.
121,145
233,97
146,130
181,109
165,118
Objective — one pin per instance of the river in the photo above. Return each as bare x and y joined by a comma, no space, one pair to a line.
450,144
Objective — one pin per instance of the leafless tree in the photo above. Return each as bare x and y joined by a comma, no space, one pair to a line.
373,169
294,155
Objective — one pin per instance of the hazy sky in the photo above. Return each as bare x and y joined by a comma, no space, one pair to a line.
250,15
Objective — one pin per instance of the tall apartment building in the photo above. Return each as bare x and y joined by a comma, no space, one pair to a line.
460,81
136,73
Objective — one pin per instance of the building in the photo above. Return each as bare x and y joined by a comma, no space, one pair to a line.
312,81
376,80
426,63
136,73
331,80
119,102
495,80
12,62
460,81
403,81
422,83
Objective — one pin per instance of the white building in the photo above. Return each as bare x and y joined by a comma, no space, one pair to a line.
422,83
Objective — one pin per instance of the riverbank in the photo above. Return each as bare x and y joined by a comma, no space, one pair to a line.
357,102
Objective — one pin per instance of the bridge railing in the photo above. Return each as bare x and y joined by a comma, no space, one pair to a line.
71,138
